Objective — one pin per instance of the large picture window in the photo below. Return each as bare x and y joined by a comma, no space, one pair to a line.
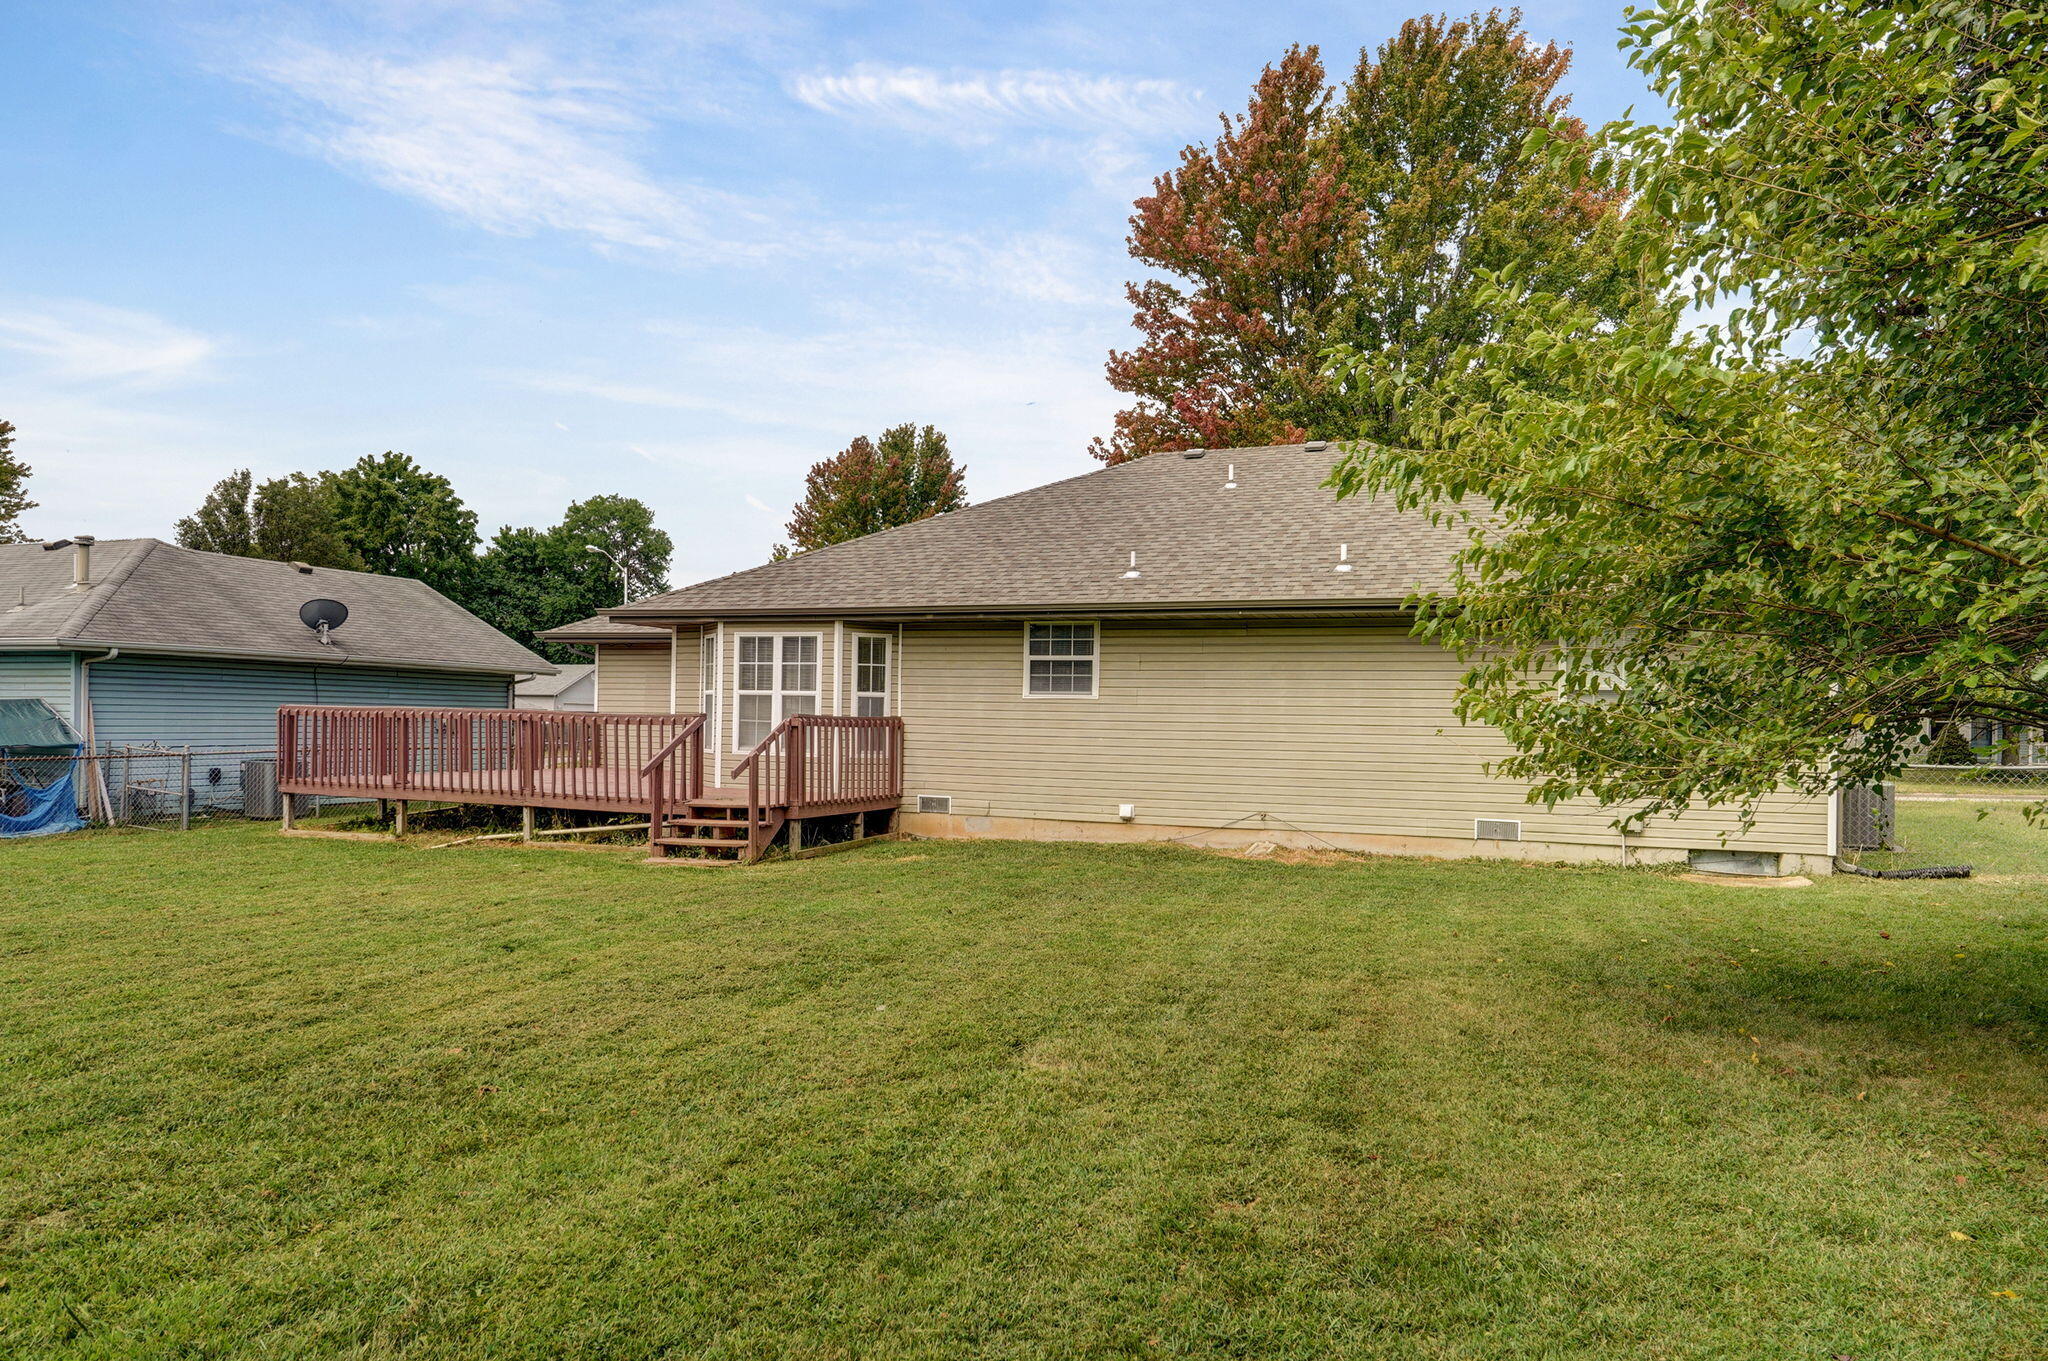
774,675
1059,659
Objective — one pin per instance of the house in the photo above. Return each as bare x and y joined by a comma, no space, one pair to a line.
138,642
1205,647
572,688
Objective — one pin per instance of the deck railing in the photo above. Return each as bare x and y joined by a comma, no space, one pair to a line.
537,756
674,777
812,763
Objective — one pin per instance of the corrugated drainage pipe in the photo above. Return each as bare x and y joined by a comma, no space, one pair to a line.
1924,872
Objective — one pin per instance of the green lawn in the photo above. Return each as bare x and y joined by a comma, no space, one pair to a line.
273,1097
1992,835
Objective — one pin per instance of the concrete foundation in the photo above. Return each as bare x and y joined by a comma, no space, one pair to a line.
968,827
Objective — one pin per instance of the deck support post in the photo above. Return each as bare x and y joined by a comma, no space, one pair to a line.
398,818
796,835
289,800
526,822
383,811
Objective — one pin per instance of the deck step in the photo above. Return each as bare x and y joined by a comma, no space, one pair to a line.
740,823
702,843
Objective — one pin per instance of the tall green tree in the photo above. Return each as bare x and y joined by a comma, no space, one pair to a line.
623,527
1362,218
295,518
404,521
1763,552
224,522
13,487
530,580
905,476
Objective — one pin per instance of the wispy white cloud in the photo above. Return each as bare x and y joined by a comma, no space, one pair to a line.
976,106
88,343
514,145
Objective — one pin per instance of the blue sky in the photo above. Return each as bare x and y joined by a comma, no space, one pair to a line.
678,251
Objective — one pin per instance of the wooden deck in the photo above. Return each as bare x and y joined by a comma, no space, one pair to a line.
811,766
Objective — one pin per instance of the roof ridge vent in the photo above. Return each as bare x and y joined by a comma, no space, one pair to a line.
1343,557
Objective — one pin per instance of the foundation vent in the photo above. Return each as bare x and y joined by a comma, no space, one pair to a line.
934,803
1496,829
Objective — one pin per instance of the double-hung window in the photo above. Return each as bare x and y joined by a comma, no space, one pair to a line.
775,675
870,675
1059,659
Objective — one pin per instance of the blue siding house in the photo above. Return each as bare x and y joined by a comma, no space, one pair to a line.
136,642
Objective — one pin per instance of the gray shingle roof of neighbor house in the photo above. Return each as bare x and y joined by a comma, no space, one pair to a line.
146,595
1271,542
598,629
546,687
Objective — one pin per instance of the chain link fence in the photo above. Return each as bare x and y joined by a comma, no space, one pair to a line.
153,786
1977,780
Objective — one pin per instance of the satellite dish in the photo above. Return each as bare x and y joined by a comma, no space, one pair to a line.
323,616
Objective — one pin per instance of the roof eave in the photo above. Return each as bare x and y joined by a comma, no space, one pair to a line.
171,650
1100,609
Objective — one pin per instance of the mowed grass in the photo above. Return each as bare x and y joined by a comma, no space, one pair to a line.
1992,836
272,1097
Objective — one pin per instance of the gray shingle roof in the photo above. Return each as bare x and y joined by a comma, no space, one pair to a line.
1270,542
151,596
598,629
541,687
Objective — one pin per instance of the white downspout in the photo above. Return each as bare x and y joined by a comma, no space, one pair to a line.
82,702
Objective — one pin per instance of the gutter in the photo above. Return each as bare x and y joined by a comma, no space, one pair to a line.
172,650
1166,609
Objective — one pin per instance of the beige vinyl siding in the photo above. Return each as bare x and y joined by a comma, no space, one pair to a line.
1330,727
633,680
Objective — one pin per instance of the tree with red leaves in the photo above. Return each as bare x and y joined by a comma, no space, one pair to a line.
1357,218
905,476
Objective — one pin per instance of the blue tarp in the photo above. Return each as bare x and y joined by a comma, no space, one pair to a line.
38,770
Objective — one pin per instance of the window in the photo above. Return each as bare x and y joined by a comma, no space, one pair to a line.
870,675
1059,659
707,655
775,675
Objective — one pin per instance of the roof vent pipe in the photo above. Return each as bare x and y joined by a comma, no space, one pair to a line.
1133,574
1343,557
1230,479
81,562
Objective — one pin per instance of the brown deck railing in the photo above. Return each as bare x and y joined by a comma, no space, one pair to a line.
542,757
820,763
674,776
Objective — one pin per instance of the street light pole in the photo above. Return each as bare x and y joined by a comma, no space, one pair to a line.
625,578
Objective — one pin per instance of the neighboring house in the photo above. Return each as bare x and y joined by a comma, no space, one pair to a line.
139,642
1206,647
572,688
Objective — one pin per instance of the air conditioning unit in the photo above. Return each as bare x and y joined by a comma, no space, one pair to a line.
934,803
1496,829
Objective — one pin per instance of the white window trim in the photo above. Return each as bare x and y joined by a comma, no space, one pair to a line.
818,694
1094,689
890,649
